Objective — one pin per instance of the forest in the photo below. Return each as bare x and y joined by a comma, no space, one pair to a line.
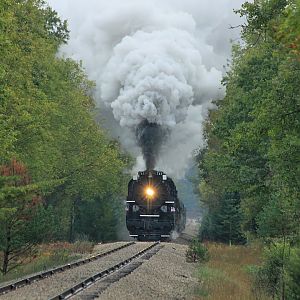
249,169
61,176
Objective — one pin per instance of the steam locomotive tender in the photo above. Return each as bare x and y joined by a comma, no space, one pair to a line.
153,209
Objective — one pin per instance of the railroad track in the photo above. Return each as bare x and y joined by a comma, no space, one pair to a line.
108,276
69,280
185,238
42,275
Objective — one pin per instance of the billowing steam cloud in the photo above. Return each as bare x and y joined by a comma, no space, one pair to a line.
151,80
157,68
156,76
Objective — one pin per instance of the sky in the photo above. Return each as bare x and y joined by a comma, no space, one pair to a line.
160,61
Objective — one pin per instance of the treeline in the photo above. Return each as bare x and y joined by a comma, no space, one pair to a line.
250,168
60,176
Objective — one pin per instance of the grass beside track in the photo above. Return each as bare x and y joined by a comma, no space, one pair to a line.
226,275
47,257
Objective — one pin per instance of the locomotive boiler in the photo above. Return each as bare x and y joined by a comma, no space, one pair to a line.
153,210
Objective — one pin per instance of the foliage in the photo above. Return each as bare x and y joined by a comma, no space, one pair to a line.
270,276
223,223
278,276
99,213
197,252
253,141
22,215
47,123
293,274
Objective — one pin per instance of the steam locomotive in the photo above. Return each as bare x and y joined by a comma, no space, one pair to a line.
153,210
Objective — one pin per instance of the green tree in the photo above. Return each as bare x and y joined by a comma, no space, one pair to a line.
253,138
47,116
293,270
20,212
223,223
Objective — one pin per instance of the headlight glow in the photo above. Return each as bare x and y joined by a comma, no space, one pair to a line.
150,192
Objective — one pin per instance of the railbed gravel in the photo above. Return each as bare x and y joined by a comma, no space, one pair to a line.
57,283
101,248
98,249
165,276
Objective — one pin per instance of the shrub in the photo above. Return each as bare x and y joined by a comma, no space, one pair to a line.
197,252
271,276
293,270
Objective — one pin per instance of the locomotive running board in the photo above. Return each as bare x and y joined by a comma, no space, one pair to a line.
150,216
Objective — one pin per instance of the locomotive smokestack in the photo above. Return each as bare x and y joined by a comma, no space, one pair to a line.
150,137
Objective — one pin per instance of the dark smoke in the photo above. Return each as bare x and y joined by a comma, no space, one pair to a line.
150,137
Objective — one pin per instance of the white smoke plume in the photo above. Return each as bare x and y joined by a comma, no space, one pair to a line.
156,76
159,61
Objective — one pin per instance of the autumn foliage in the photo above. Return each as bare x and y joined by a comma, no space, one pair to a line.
19,207
18,169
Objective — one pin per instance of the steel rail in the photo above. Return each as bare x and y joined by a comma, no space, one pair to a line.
184,238
40,276
93,279
187,236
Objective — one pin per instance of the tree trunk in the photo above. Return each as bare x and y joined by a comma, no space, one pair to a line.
5,262
72,217
6,253
74,207
283,269
230,234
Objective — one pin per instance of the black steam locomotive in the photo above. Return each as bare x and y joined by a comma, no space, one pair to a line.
153,210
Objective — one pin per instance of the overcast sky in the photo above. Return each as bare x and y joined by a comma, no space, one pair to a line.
212,17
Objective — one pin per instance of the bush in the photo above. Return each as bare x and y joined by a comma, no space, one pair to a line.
271,276
197,252
293,270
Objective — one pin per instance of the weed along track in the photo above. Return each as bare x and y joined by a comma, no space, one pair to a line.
47,285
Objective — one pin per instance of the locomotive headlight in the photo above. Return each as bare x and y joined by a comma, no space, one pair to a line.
150,192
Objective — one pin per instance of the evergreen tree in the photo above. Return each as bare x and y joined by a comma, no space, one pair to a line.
23,221
253,141
224,223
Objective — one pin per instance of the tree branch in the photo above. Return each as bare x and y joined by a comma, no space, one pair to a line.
20,251
291,113
234,27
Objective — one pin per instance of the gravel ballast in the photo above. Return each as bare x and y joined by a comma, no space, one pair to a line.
53,285
166,275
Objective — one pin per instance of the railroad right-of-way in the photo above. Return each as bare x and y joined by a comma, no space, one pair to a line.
57,283
121,270
165,276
